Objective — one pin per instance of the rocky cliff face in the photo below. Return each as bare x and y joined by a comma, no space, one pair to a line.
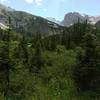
98,24
74,17
23,22
26,23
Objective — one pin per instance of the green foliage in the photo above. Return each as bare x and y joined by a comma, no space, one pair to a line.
56,67
88,71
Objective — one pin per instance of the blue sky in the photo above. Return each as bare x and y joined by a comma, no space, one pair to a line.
55,8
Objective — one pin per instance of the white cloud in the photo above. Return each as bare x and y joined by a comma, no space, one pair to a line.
38,2
29,1
5,1
2,1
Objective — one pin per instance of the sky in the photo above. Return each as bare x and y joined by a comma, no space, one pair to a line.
55,8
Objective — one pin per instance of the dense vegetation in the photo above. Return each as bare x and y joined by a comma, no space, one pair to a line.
56,67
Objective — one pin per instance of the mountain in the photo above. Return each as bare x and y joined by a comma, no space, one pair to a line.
2,26
94,19
53,20
98,24
3,7
3,21
74,17
24,22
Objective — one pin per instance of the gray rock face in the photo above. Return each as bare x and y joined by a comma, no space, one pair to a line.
2,26
98,24
25,22
53,20
74,17
94,19
22,21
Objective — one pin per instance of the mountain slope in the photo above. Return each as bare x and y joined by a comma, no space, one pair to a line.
23,22
2,26
71,18
53,20
98,24
74,17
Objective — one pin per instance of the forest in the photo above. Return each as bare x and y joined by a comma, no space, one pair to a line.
62,66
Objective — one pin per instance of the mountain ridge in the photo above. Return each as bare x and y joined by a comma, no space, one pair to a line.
23,21
27,23
73,17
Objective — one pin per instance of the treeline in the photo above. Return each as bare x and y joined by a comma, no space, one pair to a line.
62,66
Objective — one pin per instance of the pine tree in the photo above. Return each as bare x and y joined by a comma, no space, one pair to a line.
36,61
23,51
6,58
87,72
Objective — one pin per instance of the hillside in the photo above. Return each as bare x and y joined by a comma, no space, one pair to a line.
23,22
41,60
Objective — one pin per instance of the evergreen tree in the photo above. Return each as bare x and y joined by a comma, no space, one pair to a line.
88,70
23,51
6,59
36,61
